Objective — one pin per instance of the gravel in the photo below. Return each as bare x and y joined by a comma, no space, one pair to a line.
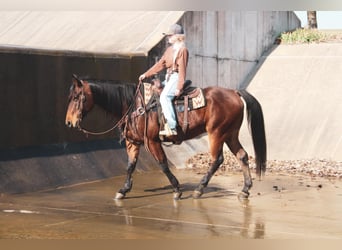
311,167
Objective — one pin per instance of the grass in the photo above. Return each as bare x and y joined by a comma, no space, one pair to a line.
300,36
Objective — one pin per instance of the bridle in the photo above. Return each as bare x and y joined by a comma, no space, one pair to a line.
80,105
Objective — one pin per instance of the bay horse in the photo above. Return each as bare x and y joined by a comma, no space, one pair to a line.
221,118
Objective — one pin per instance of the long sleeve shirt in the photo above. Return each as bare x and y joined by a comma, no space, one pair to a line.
167,61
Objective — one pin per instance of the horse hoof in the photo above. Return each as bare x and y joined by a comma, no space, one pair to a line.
197,194
119,196
243,196
118,203
177,195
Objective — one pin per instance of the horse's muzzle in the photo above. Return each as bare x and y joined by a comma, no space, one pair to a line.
68,124
71,124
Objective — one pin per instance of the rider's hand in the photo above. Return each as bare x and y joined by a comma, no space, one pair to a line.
177,92
142,77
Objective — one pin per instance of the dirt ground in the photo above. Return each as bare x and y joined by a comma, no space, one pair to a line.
310,167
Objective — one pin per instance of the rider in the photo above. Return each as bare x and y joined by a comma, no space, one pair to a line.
175,60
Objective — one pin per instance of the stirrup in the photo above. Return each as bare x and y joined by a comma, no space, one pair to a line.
167,131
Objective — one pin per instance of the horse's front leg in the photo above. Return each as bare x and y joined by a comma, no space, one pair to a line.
133,153
158,153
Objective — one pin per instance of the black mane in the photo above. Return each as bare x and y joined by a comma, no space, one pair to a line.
113,96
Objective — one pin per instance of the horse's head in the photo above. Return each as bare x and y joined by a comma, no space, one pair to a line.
80,102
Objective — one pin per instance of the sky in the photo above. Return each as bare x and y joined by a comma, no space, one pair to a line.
325,19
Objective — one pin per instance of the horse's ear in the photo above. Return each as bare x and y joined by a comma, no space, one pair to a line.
76,80
75,76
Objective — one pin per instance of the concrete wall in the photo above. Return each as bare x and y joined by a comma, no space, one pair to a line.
299,88
225,46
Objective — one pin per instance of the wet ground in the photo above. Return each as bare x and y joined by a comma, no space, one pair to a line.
280,207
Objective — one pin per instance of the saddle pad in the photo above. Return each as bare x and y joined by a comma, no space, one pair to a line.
148,92
198,101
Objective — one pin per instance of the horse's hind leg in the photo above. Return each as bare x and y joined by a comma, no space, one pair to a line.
133,153
216,151
242,157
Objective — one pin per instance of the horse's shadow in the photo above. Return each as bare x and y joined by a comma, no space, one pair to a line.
187,189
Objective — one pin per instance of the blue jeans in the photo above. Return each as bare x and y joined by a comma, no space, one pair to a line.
166,97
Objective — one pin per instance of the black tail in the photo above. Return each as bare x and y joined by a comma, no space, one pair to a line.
255,120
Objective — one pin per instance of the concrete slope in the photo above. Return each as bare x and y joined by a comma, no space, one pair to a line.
300,90
50,166
43,167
